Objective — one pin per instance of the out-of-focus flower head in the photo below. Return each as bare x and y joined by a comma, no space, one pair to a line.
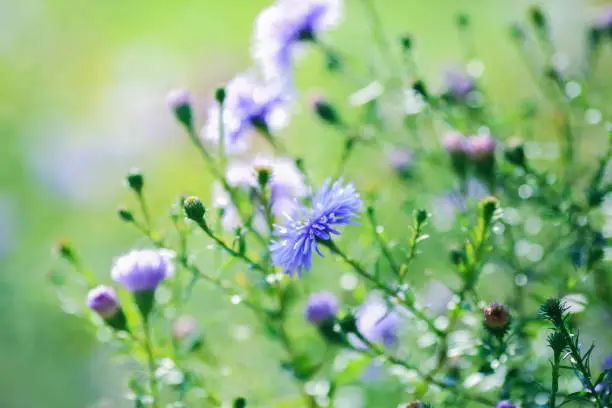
249,105
481,147
401,159
286,184
333,205
281,28
603,20
496,316
321,306
376,322
459,84
505,404
143,269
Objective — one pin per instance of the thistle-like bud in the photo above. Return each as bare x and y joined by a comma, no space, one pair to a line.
456,145
554,310
515,154
496,317
125,215
557,342
324,110
179,102
194,209
135,180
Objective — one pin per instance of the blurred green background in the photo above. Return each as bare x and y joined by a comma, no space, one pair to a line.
83,88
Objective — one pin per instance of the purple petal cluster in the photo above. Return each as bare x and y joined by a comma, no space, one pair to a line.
282,28
505,404
321,306
143,270
103,300
333,205
459,83
249,105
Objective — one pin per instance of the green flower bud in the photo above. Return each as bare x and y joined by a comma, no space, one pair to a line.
194,209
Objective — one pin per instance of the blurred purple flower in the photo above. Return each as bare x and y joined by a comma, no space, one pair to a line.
144,269
607,363
321,306
249,105
281,29
455,143
376,322
458,83
505,404
103,300
444,208
286,184
603,21
333,205
401,159
481,147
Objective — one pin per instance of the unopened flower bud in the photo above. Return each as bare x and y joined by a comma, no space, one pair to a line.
103,300
125,215
463,20
515,154
220,95
65,250
194,209
421,216
496,316
538,18
135,180
179,101
264,173
487,207
324,110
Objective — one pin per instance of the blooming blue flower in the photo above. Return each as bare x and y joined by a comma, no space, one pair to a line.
281,29
376,322
505,404
249,105
321,306
144,269
333,205
103,300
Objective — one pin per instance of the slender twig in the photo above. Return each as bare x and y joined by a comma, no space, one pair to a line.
151,363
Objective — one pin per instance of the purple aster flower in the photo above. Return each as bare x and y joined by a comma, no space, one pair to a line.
281,29
376,322
401,159
321,306
249,105
333,205
143,270
103,300
505,404
459,83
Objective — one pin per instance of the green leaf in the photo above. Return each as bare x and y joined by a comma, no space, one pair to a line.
353,370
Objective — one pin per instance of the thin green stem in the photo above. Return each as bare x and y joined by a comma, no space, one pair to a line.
406,302
381,242
151,363
555,381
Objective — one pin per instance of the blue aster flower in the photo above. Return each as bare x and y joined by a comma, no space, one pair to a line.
333,205
321,306
249,105
281,29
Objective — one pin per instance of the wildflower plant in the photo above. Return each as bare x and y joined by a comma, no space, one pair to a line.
517,230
